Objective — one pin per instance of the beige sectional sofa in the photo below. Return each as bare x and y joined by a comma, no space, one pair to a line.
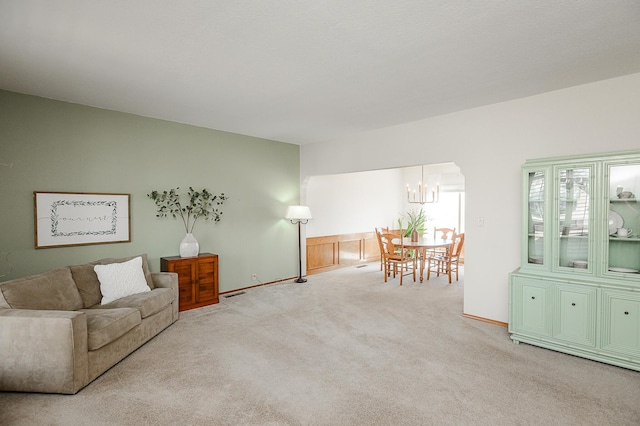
56,336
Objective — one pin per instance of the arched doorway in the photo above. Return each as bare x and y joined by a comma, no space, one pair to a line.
347,207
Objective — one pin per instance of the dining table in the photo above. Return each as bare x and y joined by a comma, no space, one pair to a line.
422,245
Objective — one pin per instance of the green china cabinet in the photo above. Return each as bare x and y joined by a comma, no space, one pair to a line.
578,287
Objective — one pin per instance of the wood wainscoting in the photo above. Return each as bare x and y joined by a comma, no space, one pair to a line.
337,251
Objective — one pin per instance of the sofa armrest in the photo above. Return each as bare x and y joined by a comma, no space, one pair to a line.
43,351
165,280
168,280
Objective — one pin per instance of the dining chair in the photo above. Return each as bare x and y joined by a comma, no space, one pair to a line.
384,230
442,234
448,262
397,259
380,231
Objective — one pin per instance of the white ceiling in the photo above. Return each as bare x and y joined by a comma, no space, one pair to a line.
309,71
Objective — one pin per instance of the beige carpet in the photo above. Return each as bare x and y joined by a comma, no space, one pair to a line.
343,349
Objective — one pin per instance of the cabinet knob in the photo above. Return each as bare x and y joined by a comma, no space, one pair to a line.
626,312
573,304
533,298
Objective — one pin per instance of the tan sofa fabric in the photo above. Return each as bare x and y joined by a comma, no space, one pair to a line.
89,285
56,361
106,325
56,338
53,290
147,303
166,280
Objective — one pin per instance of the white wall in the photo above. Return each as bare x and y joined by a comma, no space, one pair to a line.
354,202
490,144
372,199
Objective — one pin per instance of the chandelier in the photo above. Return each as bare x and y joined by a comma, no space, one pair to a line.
422,195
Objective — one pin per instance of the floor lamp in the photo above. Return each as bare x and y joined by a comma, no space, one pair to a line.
299,215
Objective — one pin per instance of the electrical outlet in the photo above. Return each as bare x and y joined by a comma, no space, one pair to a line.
254,277
481,221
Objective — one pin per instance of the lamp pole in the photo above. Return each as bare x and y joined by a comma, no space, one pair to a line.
299,215
300,279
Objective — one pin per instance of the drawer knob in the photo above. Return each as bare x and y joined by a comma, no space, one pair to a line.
626,312
573,304
533,298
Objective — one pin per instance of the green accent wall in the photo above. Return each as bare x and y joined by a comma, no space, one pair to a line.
48,145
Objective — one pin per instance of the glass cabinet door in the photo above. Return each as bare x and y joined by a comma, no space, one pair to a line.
536,206
574,213
624,218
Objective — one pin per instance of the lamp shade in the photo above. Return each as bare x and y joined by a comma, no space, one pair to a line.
298,213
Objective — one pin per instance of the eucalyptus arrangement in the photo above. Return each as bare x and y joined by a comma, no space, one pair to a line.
198,204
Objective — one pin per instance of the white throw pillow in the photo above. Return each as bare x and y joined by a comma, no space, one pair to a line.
118,280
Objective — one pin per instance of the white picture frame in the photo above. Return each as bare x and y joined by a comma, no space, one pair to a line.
79,218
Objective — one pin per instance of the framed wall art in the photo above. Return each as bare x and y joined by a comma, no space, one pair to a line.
78,218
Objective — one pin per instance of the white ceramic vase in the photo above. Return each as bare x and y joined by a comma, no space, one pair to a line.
189,246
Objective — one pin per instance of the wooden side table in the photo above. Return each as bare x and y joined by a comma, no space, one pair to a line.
197,279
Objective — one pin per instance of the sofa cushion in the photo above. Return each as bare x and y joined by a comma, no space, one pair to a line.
89,285
51,290
106,325
145,266
148,303
118,280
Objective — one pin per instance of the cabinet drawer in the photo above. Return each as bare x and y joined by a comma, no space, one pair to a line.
621,322
575,314
531,307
